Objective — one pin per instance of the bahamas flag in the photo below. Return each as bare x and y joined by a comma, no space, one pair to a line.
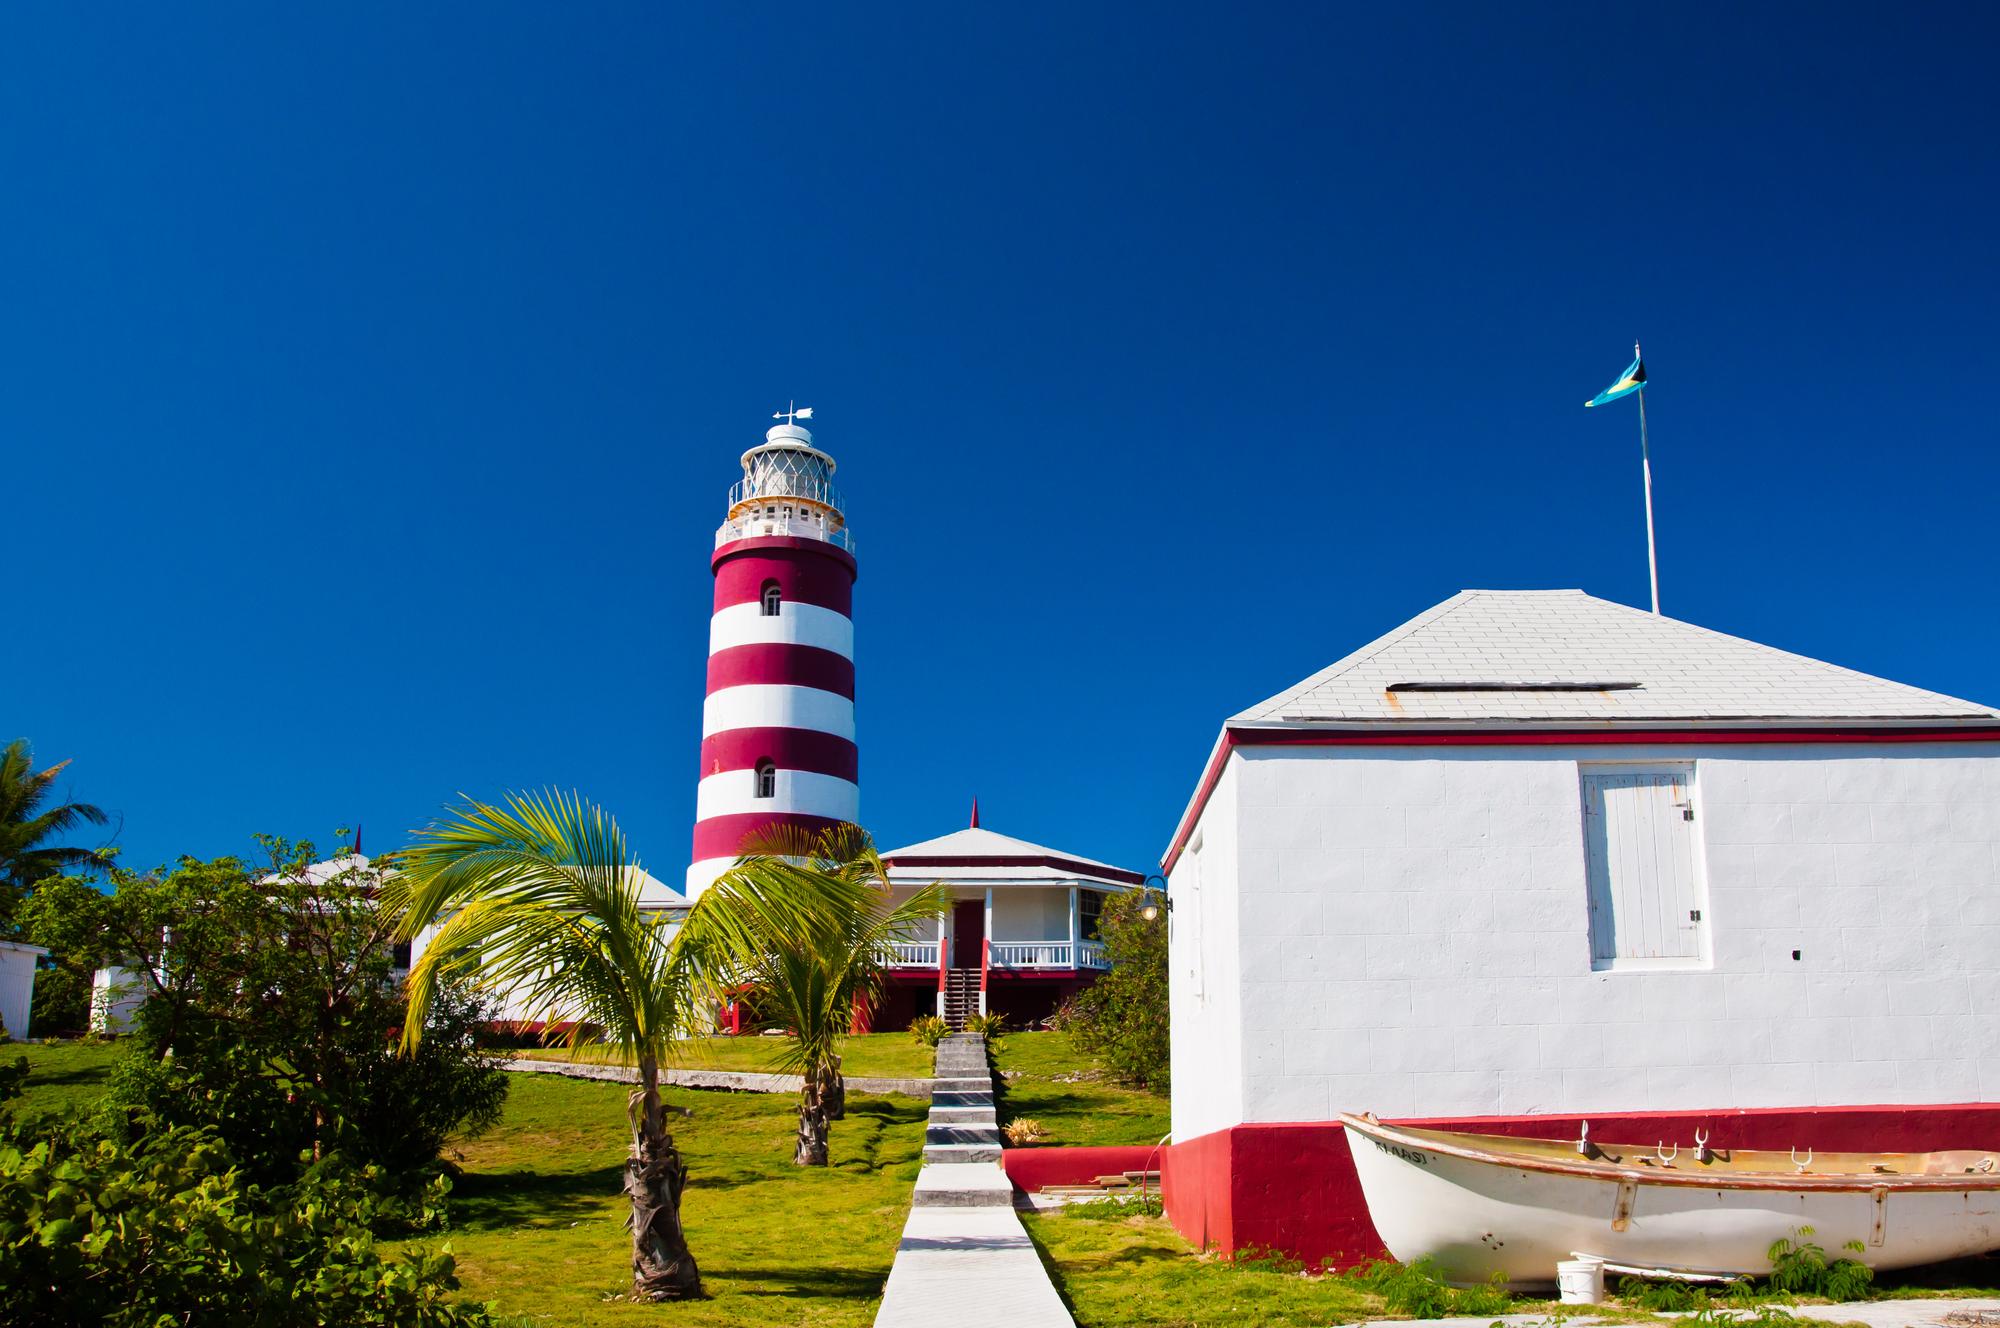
1628,382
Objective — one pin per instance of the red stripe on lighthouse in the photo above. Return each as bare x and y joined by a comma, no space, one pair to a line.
723,836
783,664
826,582
788,749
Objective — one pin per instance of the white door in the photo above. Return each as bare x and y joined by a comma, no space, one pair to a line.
1639,836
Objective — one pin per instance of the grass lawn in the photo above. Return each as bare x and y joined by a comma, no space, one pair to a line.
876,1055
1048,1080
538,1221
64,1074
1138,1270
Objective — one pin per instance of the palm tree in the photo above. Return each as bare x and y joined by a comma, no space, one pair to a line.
806,919
540,898
26,856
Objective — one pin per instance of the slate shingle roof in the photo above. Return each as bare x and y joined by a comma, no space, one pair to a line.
1684,673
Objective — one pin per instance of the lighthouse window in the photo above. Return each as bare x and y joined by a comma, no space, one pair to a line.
767,780
773,597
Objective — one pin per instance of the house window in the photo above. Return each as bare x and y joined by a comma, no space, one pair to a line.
1088,904
767,780
773,597
1643,865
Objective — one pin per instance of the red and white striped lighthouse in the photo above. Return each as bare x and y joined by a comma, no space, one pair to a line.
777,729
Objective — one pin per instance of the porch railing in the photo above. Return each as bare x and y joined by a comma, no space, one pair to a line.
916,954
1048,954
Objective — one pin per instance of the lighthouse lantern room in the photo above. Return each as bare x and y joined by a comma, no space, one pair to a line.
777,734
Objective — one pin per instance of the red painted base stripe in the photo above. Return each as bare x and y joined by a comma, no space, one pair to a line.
802,577
788,749
783,664
723,836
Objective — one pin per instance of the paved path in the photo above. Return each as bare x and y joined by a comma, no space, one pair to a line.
1874,1313
965,1260
740,1081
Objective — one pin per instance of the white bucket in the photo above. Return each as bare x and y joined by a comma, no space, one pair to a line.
1581,1281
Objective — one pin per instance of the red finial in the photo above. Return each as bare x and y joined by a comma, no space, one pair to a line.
975,812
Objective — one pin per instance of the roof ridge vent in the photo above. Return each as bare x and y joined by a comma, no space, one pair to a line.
1514,685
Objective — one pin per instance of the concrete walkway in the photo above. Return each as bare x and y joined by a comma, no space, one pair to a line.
965,1259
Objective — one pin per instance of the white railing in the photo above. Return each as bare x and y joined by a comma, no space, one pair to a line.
916,954
1093,956
1032,954
755,527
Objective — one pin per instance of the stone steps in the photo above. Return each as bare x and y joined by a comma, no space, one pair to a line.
962,1184
963,1116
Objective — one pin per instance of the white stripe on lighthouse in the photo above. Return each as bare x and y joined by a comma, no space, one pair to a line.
794,624
804,792
777,706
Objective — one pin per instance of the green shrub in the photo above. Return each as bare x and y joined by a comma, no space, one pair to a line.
1419,1291
169,1230
1800,1268
1121,1019
990,1025
929,1029
270,1019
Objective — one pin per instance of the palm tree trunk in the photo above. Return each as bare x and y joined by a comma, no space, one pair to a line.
815,1103
662,1266
836,1108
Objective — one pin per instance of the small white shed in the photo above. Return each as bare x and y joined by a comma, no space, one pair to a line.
1535,854
17,985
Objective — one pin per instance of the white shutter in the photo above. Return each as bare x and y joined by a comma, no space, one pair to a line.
1639,836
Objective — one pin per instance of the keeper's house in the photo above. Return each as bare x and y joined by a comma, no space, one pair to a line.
1534,857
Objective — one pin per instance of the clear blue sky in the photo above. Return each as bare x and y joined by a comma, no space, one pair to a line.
373,377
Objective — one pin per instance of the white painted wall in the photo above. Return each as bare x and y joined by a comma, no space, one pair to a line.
1219,1028
1031,913
17,986
116,993
1414,937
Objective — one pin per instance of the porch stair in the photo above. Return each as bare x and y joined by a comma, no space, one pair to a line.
961,998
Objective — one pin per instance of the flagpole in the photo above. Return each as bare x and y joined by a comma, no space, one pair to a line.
1646,468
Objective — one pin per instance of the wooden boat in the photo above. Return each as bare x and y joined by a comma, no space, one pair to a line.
1481,1204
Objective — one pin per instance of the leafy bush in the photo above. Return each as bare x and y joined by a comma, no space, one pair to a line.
990,1025
1417,1290
169,1230
1064,1017
271,1018
1121,1019
1800,1268
929,1029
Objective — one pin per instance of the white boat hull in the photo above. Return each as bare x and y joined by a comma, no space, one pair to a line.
1477,1219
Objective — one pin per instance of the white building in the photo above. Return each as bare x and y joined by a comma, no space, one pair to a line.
1021,934
17,985
1533,855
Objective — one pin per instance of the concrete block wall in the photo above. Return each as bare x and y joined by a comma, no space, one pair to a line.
1414,936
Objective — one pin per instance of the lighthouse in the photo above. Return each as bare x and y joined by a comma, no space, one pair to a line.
777,727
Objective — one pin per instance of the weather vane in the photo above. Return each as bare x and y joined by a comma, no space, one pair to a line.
793,413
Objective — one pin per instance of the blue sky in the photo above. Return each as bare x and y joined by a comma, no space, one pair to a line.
374,376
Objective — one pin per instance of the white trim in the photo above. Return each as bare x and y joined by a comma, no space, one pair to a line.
796,624
777,706
803,791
